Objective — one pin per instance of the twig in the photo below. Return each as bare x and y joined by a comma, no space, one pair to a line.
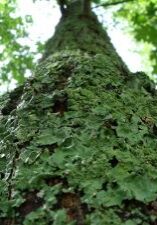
112,3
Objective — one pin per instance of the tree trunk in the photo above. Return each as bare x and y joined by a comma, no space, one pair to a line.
78,140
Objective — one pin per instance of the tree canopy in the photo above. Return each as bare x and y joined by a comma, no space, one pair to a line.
15,58
142,18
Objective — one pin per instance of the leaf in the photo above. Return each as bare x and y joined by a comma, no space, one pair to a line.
28,19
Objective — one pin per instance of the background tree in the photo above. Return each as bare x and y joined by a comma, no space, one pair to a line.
78,139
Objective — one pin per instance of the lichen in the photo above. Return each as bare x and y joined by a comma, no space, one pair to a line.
80,147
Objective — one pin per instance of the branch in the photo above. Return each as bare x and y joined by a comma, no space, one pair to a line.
62,4
113,3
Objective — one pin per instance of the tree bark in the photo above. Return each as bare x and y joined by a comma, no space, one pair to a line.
78,140
87,7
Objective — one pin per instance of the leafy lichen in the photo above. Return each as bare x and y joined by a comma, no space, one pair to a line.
80,147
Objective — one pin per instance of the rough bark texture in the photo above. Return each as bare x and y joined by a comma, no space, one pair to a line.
78,140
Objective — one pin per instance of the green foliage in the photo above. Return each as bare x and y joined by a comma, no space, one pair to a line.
141,15
16,59
102,147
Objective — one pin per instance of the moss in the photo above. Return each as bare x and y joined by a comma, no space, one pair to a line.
80,145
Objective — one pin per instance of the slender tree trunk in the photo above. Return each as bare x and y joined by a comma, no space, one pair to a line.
78,140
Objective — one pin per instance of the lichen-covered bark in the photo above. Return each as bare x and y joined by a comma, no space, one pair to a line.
77,30
78,141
